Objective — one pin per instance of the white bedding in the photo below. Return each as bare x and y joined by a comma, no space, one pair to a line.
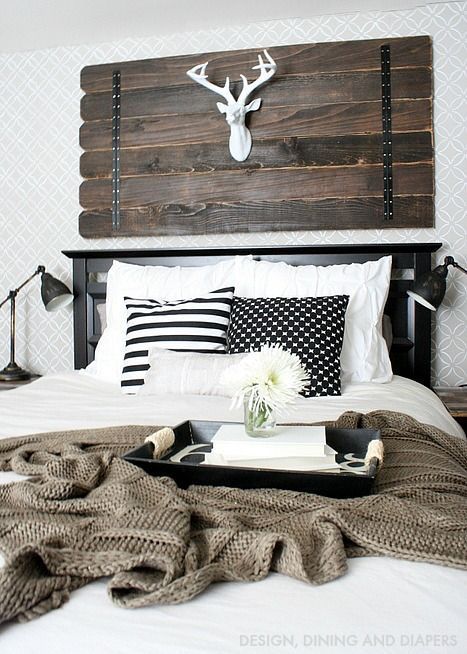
73,401
381,605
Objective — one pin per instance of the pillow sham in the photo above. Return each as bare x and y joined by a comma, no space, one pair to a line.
195,325
364,355
186,373
159,282
101,313
311,327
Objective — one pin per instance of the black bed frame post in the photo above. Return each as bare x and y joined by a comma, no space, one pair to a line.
419,323
79,310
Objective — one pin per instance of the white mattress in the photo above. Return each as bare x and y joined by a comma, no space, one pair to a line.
381,605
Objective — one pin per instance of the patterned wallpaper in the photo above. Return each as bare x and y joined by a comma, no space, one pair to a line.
39,171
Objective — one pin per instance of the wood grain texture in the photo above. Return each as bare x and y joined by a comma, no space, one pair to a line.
210,218
455,400
291,60
261,184
325,120
317,143
347,150
322,88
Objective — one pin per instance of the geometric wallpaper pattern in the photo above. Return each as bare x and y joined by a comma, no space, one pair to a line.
39,168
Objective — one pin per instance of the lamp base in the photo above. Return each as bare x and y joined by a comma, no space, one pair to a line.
12,372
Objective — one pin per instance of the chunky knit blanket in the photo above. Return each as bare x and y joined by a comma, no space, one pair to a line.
86,513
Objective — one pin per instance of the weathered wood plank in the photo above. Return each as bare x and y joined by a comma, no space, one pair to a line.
291,60
325,120
256,185
221,218
266,153
323,88
316,157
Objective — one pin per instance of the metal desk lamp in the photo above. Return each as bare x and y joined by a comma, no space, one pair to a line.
430,289
55,294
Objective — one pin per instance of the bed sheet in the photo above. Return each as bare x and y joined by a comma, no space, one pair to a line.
74,401
381,605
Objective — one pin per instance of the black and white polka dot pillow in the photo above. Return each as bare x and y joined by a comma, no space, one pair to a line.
311,327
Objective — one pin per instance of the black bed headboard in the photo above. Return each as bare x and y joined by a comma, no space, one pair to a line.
411,323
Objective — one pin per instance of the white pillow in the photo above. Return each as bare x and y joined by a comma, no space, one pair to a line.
102,313
364,354
162,283
196,325
189,373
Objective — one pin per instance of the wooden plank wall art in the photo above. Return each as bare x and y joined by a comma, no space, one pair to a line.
342,137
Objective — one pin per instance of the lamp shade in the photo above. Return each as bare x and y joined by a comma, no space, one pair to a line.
54,293
430,289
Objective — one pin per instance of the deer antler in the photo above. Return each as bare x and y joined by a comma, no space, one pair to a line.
201,78
267,71
236,110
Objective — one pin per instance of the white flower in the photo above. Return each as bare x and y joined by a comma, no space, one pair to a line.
272,378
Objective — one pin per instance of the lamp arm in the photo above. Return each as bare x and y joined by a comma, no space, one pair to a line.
13,294
456,265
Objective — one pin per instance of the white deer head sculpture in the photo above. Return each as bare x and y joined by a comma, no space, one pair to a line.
236,110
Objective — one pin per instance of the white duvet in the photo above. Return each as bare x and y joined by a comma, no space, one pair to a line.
73,400
381,605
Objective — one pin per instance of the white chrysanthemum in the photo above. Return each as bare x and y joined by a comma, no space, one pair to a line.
272,378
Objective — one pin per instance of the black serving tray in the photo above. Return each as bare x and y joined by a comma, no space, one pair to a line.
330,484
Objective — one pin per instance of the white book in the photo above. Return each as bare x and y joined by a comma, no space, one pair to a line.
233,443
302,464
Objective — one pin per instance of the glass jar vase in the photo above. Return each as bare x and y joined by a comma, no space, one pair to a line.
259,420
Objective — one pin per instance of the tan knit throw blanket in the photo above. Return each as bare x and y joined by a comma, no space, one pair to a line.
87,514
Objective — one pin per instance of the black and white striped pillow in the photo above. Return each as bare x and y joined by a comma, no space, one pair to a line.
196,325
